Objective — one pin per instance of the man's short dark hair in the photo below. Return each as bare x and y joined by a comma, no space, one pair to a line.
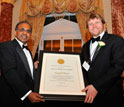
95,15
16,27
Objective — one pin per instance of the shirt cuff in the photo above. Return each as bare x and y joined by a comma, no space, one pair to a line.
26,95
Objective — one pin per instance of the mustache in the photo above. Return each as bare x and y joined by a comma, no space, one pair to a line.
24,35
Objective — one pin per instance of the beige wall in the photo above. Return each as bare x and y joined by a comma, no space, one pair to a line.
107,14
16,11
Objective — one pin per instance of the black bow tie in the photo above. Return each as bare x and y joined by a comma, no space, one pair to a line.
26,47
95,39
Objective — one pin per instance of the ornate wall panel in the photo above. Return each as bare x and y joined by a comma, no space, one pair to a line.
118,17
6,21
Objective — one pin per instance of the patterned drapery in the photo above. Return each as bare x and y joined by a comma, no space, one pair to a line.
47,7
6,20
58,6
90,6
118,21
72,6
35,11
31,11
118,17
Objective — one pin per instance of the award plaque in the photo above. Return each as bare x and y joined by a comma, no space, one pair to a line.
60,76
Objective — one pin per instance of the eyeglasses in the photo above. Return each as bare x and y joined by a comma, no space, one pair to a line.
23,30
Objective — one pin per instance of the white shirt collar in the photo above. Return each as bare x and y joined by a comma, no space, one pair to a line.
101,35
20,43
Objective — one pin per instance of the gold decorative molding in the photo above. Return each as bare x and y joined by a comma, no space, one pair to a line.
8,1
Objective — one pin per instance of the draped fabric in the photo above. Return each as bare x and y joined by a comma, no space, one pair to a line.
6,21
31,11
118,17
88,7
72,6
31,8
37,23
47,7
35,10
81,18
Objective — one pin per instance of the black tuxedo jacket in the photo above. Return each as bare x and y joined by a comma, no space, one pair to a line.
105,69
16,79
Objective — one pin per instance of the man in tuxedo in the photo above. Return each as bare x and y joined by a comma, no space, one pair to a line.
17,70
102,61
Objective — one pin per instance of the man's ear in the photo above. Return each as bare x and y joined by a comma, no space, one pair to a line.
15,33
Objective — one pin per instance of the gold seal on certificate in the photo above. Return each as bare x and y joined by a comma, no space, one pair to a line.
61,61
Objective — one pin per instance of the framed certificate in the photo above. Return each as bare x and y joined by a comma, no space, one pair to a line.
60,76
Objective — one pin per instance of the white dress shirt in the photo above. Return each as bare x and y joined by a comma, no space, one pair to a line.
93,46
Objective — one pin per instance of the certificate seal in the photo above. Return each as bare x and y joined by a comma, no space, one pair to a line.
60,61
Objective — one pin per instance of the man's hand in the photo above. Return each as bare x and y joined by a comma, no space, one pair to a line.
122,75
35,97
91,93
36,64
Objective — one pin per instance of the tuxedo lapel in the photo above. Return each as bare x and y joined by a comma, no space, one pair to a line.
87,51
23,57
